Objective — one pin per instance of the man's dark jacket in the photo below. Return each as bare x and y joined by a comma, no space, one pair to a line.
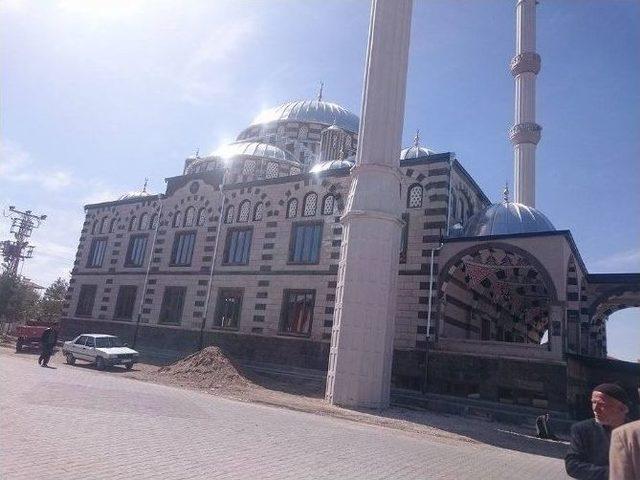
48,339
588,455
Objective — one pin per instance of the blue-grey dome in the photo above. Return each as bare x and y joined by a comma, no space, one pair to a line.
333,165
415,151
507,218
315,111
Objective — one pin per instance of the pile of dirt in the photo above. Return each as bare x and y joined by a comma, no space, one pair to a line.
209,368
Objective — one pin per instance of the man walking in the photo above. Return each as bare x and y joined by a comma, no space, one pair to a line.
588,455
47,343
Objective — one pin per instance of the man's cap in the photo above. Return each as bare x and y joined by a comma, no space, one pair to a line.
613,390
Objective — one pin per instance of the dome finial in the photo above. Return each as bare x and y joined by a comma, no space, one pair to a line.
505,192
320,91
144,187
416,139
197,153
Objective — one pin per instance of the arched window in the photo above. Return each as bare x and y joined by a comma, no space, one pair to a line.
153,224
132,224
272,170
295,170
292,208
144,222
228,216
112,225
202,216
328,204
310,205
94,227
244,210
177,218
258,212
302,133
103,222
414,196
190,217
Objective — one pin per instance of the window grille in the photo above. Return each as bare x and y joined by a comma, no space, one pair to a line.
172,304
228,217
328,205
292,208
125,302
310,204
258,212
272,170
228,308
414,199
244,210
85,300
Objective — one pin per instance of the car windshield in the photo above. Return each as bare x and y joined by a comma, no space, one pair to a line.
108,342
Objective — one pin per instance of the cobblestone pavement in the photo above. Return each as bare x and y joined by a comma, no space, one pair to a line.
75,423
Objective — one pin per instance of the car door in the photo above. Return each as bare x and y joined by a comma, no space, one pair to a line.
77,347
90,349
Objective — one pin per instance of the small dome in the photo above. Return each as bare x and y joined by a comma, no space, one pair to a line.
333,165
415,151
128,195
253,149
507,218
313,111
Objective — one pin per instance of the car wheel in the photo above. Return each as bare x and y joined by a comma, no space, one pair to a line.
129,366
71,360
100,365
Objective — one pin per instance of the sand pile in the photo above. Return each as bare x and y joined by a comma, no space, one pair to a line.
208,368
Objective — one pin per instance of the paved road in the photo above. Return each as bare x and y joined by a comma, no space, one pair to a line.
77,423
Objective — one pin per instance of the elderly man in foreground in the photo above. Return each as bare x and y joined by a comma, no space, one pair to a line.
588,455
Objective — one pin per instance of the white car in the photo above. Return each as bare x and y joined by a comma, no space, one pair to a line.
103,350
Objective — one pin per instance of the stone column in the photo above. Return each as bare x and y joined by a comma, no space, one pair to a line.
525,133
364,318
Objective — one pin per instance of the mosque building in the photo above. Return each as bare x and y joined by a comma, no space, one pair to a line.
243,250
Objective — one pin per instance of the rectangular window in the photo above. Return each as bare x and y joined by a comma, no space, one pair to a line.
172,303
85,300
125,301
228,308
238,246
136,251
96,252
297,312
305,242
404,238
182,251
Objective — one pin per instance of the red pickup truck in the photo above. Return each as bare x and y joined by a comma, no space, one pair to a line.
28,336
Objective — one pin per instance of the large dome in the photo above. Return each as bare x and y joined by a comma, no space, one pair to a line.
333,165
315,111
507,218
415,151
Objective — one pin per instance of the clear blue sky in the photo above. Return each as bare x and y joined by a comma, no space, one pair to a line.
98,95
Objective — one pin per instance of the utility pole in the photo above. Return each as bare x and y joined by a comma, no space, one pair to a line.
22,224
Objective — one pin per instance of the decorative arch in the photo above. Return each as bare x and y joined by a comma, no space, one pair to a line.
94,227
132,223
495,291
102,224
153,224
112,225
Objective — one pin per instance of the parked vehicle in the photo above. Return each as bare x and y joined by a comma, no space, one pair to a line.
102,350
28,335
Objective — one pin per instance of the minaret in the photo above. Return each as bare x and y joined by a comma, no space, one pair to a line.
525,133
364,318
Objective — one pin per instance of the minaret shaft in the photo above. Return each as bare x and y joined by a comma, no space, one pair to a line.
364,317
525,133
